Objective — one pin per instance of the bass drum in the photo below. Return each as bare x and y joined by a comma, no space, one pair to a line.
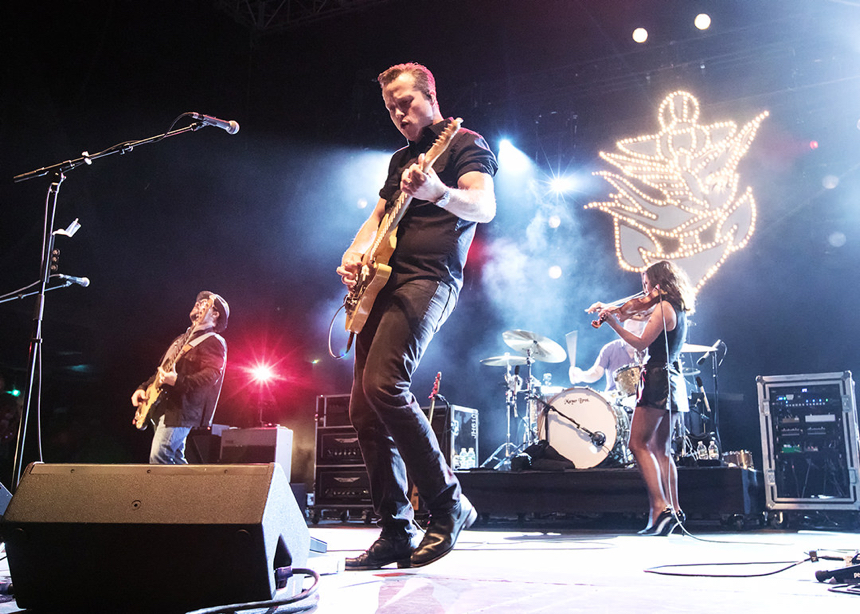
591,411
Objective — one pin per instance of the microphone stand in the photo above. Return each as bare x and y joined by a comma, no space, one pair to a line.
598,439
35,352
716,367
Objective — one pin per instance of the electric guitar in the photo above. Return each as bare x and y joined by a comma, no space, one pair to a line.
153,391
413,498
375,271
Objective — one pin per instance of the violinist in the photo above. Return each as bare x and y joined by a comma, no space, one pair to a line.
669,298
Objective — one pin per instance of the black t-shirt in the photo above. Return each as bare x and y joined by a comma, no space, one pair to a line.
433,243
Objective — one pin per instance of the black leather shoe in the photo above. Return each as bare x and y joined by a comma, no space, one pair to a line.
443,531
384,551
682,517
663,524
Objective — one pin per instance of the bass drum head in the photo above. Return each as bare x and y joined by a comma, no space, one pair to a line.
592,412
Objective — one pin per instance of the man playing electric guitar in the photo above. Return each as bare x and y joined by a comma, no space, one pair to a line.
450,197
187,384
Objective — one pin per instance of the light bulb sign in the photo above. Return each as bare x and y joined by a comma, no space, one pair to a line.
677,192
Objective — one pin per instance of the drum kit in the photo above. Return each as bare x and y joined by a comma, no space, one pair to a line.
587,427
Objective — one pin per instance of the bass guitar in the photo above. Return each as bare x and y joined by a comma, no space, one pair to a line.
154,390
375,271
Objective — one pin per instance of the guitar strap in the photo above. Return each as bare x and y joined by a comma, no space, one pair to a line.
191,344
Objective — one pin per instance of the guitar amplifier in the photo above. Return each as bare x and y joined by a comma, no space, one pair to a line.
342,486
341,480
338,446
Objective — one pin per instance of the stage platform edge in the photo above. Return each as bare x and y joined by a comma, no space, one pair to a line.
705,491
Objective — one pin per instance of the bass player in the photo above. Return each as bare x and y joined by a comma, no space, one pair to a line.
184,391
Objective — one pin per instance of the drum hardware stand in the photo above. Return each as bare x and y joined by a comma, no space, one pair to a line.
508,449
532,393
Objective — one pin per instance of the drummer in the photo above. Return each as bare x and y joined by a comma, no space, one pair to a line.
612,356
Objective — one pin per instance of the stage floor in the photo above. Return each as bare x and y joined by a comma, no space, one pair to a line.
502,570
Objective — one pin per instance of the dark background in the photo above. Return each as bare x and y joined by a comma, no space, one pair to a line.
263,216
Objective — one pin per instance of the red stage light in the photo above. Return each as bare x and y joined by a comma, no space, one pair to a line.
813,144
262,374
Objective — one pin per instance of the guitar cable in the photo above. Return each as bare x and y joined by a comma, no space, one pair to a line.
330,329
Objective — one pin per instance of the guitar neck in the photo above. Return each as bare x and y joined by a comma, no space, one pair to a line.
398,209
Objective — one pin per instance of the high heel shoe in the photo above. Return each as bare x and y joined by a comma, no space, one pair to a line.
663,524
682,517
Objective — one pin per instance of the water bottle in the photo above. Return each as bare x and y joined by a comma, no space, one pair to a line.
455,462
464,459
701,451
473,461
713,452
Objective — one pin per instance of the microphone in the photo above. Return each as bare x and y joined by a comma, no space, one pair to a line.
81,281
846,575
713,348
232,126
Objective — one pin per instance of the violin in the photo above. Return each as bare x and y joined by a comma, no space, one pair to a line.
637,304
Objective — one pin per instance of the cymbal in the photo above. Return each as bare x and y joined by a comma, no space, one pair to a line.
503,361
541,348
692,347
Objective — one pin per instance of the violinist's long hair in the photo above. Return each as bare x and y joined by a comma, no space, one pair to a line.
674,281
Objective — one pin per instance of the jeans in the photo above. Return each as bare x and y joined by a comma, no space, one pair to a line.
168,444
394,434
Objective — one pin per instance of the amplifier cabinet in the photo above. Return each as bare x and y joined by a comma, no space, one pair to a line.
809,441
333,410
338,445
341,480
258,445
342,486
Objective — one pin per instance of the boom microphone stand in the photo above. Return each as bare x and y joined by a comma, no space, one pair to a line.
59,170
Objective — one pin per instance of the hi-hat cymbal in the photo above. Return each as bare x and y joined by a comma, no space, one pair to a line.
539,347
503,361
690,372
692,347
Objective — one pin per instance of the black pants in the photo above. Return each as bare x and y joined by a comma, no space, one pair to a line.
394,434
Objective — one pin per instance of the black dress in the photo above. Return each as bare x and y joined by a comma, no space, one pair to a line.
661,385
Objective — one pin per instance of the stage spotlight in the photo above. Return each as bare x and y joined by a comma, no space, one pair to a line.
512,159
813,144
554,221
554,272
262,374
561,185
362,203
830,182
837,239
640,35
702,21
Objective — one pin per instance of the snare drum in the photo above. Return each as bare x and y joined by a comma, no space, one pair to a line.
627,379
591,412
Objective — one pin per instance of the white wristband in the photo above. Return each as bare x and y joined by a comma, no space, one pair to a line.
444,199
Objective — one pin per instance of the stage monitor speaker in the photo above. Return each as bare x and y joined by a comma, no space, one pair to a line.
151,537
